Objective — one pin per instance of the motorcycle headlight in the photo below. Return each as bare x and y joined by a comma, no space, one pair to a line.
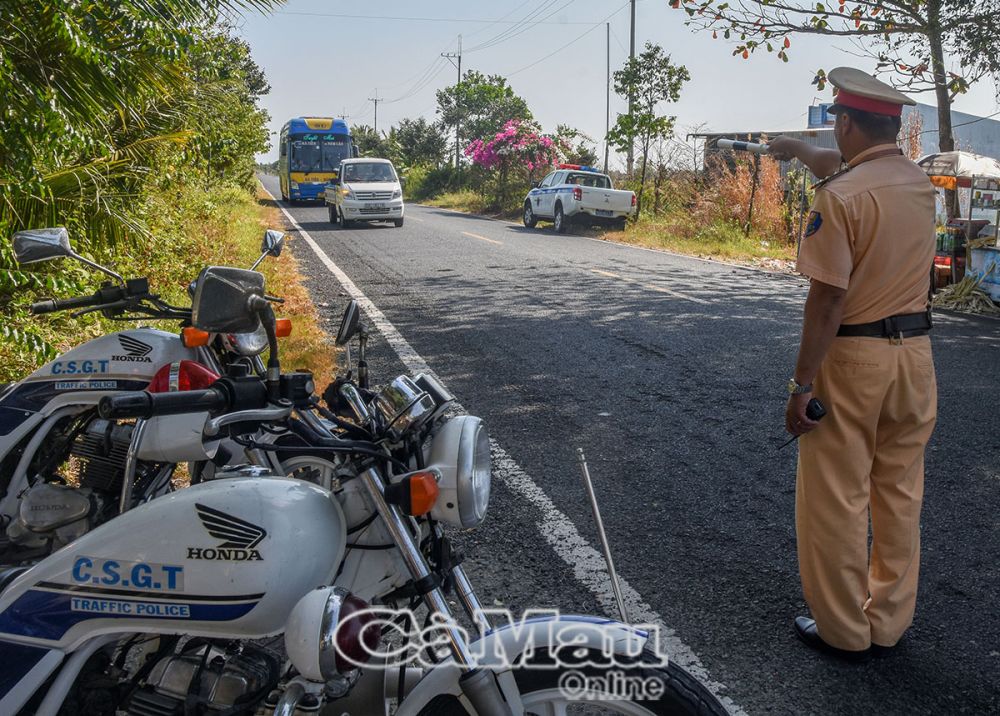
461,453
246,344
330,631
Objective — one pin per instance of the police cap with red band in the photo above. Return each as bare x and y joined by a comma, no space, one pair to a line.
859,90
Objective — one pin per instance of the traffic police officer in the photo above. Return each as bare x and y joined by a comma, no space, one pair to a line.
865,353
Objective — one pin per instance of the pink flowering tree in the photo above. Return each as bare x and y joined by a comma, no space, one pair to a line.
513,155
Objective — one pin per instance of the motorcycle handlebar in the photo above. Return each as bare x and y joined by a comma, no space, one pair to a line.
142,404
51,305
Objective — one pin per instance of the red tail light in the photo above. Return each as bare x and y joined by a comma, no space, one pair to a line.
942,260
577,193
180,376
633,200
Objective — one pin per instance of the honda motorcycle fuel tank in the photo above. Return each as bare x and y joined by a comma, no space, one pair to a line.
221,559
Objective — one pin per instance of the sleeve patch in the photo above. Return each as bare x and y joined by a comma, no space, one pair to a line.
815,221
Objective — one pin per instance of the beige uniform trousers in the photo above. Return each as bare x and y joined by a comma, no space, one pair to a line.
866,456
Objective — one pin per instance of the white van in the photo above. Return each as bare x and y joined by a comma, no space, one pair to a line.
365,189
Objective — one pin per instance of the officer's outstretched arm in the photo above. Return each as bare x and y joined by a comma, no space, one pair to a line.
820,161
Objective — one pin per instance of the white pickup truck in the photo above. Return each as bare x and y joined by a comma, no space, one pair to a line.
575,194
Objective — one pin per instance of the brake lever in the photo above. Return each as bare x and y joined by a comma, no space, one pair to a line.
261,415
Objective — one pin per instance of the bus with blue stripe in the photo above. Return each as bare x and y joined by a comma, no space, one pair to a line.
310,150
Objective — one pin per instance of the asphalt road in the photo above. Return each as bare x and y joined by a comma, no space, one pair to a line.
670,373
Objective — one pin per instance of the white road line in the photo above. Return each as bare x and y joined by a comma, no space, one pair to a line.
481,238
556,528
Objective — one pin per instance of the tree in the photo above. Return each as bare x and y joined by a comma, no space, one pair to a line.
106,104
517,149
369,142
649,79
575,146
420,143
479,106
909,39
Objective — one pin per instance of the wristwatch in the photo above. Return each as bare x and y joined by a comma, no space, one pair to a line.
795,389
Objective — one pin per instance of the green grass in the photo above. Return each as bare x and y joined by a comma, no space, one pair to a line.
470,202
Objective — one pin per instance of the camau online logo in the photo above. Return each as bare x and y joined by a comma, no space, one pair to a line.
240,538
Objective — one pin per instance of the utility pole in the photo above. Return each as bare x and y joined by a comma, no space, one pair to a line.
631,98
344,115
376,99
607,92
455,58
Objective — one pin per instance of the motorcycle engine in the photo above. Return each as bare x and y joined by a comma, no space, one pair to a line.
102,449
218,683
61,513
51,511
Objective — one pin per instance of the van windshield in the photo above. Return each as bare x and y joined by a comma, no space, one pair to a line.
368,172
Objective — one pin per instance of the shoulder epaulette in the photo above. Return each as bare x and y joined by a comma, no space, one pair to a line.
823,182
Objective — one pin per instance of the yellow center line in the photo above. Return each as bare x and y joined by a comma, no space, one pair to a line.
651,287
481,238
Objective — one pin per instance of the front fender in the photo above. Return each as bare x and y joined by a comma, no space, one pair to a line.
507,645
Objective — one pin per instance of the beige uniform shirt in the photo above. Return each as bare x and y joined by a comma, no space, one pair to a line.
871,231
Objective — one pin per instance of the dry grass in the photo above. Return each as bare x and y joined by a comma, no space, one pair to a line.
718,240
309,347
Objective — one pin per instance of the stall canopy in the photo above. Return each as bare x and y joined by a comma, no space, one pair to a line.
951,170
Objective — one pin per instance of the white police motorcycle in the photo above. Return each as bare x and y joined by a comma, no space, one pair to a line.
255,594
50,416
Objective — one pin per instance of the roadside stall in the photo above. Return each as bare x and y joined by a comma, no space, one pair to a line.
968,242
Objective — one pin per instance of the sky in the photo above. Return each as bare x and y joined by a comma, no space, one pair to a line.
322,64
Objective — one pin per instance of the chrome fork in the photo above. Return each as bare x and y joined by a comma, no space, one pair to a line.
478,685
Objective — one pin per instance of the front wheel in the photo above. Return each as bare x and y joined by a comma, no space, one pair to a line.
345,223
398,222
559,220
530,220
333,213
640,688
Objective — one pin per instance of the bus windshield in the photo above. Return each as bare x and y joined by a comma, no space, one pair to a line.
318,152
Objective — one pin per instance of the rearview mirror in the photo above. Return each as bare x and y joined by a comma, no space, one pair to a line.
273,242
348,324
36,245
224,301
535,184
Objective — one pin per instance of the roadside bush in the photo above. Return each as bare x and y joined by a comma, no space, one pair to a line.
433,182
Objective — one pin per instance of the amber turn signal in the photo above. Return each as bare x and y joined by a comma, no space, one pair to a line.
415,494
193,337
283,327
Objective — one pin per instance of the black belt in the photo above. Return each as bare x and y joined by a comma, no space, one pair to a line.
904,326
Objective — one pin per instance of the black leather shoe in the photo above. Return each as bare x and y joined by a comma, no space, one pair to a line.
805,629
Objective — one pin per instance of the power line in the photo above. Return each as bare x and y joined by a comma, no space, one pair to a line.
500,19
523,25
571,42
420,19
